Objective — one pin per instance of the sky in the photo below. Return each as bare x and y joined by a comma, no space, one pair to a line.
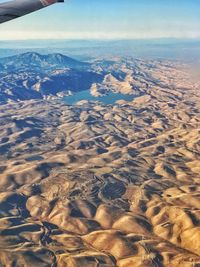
108,19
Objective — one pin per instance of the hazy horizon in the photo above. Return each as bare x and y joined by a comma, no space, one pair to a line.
184,49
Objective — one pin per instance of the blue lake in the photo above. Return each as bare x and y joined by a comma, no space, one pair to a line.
110,98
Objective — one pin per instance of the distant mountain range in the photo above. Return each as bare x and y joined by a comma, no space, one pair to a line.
35,76
37,61
32,75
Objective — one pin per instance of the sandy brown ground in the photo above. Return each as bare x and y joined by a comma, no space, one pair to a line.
94,185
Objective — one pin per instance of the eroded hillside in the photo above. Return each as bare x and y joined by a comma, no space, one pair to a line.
104,185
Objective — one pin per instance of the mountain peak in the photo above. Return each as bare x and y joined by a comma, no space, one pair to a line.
32,56
36,60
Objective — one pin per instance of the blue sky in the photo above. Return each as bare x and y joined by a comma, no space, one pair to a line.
109,19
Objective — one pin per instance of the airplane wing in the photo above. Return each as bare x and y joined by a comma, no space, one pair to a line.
17,8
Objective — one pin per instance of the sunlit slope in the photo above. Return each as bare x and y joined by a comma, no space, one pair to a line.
96,185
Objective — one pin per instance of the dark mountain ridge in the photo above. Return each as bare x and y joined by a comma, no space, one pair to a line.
45,62
32,75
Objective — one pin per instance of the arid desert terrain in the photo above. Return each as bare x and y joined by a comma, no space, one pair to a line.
96,185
